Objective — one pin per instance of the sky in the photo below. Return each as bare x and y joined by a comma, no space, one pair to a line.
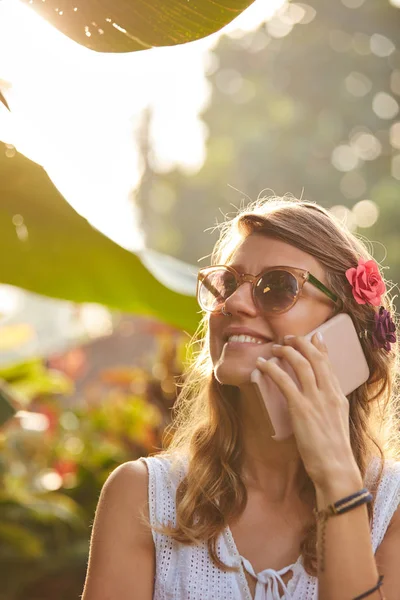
76,112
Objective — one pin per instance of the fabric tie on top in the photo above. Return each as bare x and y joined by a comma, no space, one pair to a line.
267,587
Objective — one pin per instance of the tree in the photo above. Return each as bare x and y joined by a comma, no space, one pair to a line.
307,105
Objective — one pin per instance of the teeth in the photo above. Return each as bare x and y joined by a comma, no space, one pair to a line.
244,339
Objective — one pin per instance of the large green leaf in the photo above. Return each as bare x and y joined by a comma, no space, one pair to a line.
127,25
46,247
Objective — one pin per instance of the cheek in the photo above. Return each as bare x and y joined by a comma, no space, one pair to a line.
301,319
214,338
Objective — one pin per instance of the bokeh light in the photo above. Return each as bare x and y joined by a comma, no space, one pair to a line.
74,445
344,215
358,84
32,421
344,158
385,106
381,45
395,135
366,213
395,166
96,320
11,300
366,145
395,82
353,185
50,480
69,421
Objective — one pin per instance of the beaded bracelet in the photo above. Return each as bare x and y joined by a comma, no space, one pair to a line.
341,506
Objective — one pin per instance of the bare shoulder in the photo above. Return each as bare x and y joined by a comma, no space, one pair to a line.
127,484
125,494
122,558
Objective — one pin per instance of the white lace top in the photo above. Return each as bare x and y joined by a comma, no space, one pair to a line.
187,572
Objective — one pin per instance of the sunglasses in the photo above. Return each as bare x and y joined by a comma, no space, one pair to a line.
275,290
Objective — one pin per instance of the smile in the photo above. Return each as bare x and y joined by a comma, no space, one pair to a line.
245,339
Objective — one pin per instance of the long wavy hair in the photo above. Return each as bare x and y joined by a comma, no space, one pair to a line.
206,428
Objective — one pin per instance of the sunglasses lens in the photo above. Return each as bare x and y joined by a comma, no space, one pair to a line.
276,291
215,288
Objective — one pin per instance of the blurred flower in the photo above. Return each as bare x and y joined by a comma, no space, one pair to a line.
384,332
65,467
72,363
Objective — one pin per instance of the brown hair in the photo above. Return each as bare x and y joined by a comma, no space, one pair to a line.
206,428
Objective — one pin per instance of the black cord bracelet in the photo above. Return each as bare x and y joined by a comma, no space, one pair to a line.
347,498
366,497
337,508
374,589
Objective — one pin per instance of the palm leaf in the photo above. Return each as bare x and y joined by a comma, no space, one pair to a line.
49,249
127,25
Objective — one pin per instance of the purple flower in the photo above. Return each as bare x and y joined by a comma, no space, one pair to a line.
384,331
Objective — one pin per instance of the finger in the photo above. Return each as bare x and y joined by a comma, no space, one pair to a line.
316,353
319,342
283,381
300,365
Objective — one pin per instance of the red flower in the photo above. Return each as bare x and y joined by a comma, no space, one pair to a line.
367,283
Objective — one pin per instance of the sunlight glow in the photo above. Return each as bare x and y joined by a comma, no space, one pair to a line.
80,114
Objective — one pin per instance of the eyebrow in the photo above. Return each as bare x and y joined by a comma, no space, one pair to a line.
241,268
236,266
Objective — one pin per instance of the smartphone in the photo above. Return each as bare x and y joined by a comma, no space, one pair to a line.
348,361
7,408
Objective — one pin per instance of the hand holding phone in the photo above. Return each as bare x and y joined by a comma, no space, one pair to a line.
348,362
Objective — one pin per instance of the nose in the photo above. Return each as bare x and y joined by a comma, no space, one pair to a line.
242,301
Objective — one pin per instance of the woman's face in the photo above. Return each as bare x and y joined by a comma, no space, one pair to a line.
234,361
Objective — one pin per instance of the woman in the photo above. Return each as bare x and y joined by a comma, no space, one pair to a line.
233,513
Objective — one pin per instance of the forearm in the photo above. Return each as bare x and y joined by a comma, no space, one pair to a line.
350,568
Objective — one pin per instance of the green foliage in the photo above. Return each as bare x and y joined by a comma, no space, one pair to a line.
121,26
31,379
55,459
282,106
53,251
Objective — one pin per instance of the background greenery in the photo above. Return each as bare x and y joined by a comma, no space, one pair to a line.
55,458
313,113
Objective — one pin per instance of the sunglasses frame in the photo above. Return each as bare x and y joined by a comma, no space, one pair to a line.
301,276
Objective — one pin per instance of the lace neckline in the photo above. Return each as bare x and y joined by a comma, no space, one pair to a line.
296,567
243,564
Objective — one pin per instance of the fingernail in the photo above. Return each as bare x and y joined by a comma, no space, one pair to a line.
261,360
320,337
288,337
276,346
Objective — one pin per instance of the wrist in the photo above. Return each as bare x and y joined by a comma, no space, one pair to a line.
338,485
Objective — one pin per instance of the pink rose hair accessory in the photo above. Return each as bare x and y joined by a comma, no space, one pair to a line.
366,282
384,332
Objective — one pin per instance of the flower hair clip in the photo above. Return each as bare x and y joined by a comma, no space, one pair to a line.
366,282
384,332
368,287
